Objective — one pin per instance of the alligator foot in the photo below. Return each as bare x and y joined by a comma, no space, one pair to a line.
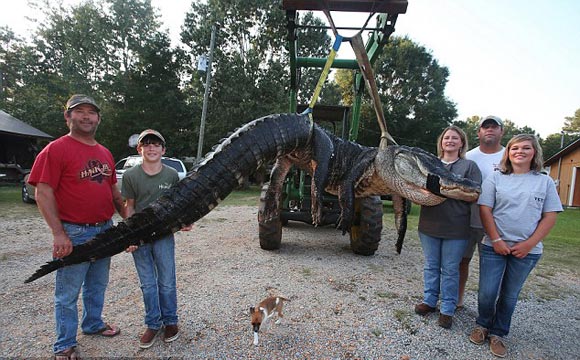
344,222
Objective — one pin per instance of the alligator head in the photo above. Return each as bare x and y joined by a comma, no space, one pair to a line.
421,177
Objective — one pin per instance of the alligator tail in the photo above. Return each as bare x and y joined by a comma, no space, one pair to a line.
205,186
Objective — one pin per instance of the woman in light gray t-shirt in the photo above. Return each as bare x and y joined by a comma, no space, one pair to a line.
518,207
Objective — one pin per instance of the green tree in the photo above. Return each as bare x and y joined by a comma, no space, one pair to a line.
242,61
113,50
572,123
313,42
250,76
556,142
411,86
510,129
28,88
344,80
10,64
471,127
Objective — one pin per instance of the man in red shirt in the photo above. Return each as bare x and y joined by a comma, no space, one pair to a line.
77,195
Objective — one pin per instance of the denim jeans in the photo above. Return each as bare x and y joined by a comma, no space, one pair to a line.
501,278
441,271
92,277
155,264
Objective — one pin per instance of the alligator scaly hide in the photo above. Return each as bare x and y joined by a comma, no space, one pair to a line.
339,166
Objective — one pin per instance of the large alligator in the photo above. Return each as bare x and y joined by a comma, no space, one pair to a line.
338,166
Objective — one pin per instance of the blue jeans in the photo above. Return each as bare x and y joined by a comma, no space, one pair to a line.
155,264
441,271
501,279
93,278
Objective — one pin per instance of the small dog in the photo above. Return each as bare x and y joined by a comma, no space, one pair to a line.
264,311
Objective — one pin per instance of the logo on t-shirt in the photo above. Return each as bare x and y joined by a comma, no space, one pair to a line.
97,171
164,186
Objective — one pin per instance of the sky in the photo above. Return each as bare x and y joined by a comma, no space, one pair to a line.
516,59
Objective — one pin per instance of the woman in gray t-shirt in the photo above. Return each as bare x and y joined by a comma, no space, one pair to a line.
444,231
518,207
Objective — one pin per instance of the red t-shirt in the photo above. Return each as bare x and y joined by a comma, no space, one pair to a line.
81,177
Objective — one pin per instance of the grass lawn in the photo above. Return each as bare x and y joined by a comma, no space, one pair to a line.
562,246
250,197
10,194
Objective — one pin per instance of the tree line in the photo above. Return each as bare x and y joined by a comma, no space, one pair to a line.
116,51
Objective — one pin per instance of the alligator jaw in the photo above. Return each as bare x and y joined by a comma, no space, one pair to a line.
458,192
452,189
427,181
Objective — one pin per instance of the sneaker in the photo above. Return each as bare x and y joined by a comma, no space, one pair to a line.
445,321
478,335
424,309
148,338
171,333
497,346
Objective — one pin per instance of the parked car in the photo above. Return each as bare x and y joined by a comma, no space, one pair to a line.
12,173
27,191
126,163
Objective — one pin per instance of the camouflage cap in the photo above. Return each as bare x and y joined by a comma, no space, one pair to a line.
79,99
150,132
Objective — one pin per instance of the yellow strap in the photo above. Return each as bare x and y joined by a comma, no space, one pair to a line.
325,71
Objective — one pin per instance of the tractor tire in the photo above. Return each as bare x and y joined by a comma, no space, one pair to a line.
270,232
365,234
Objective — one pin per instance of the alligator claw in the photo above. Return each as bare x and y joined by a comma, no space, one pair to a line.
344,222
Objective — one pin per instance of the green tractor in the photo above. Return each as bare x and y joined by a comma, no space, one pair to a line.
365,233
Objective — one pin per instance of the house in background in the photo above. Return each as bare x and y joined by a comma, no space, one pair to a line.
564,168
18,147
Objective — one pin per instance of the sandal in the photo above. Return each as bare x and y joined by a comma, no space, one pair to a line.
68,354
107,331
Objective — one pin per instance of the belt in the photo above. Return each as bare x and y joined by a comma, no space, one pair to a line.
97,224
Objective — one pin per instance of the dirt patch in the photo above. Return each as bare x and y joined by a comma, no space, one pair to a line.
342,305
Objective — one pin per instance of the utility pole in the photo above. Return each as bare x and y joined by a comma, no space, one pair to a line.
206,95
560,162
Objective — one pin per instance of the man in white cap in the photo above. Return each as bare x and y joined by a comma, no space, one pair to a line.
155,262
487,156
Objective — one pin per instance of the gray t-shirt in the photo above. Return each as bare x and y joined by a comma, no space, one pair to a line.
145,188
450,219
518,202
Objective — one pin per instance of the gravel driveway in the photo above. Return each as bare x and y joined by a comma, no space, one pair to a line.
342,306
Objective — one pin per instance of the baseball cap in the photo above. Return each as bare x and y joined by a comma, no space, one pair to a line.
79,99
150,132
492,118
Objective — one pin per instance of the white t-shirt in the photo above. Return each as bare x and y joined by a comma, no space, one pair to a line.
487,163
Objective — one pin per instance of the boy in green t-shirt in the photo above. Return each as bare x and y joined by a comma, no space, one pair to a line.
155,262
